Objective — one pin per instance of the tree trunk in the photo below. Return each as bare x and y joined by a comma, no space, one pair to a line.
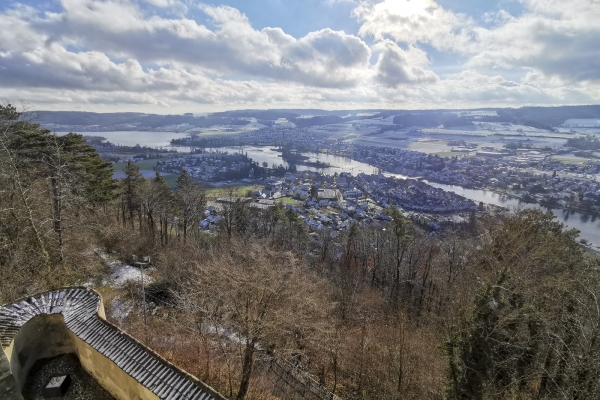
247,365
16,180
30,218
185,226
123,212
151,225
57,208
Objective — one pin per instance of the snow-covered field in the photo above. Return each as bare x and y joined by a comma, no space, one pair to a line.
582,123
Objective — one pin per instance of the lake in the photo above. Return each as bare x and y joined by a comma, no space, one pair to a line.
143,138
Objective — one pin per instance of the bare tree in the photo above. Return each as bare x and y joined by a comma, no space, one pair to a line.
190,199
260,296
157,203
235,216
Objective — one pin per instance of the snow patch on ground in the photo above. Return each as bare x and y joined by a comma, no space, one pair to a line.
122,273
119,309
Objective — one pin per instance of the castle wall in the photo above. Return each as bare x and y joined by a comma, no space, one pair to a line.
72,320
43,336
112,378
8,384
47,336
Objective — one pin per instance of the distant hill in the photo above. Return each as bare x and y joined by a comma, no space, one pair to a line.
86,118
431,119
540,117
130,121
546,117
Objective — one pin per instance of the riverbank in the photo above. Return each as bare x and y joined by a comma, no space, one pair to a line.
591,213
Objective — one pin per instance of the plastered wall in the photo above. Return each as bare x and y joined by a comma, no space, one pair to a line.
8,385
109,375
47,336
44,336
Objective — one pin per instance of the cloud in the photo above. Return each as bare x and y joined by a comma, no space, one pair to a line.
120,29
396,66
332,2
163,3
497,18
413,22
550,36
118,54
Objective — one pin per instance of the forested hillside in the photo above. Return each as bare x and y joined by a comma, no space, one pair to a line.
500,308
540,117
138,121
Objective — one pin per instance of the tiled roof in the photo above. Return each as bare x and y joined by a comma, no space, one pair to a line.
79,307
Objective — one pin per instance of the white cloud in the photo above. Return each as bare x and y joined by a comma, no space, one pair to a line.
332,2
415,21
322,58
396,66
112,54
552,36
163,3
497,18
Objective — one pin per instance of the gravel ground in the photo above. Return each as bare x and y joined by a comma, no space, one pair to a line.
83,385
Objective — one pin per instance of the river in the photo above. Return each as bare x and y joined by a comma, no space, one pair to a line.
588,225
337,164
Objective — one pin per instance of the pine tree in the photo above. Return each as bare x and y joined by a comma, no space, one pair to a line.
78,178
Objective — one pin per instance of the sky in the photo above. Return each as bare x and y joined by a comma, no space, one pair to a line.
176,56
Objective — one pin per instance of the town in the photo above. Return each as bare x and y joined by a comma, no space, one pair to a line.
520,170
335,202
323,200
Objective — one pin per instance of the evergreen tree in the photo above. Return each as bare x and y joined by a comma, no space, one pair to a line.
531,331
78,178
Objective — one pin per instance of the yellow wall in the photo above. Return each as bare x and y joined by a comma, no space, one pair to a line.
44,336
109,375
8,385
47,336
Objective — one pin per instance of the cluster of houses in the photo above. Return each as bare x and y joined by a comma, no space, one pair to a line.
336,201
302,138
523,171
205,167
411,194
557,191
579,180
